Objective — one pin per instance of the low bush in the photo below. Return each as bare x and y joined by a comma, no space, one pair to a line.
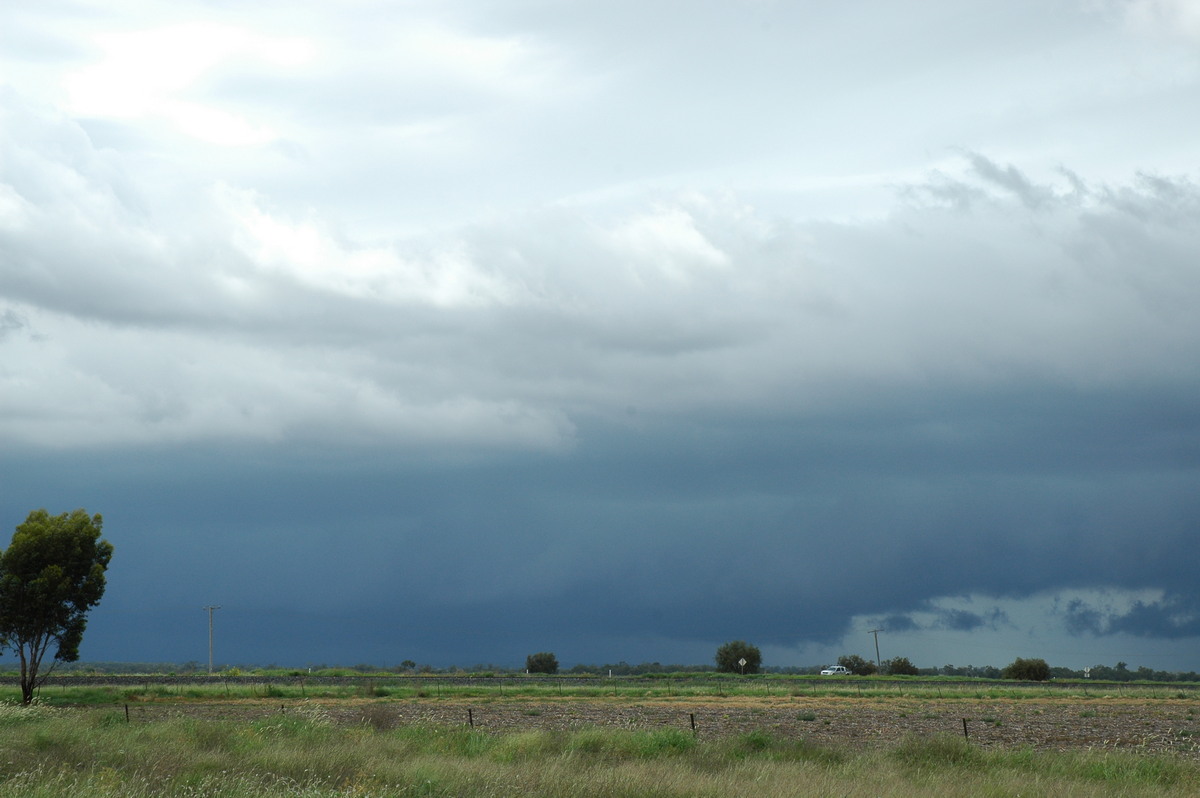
1029,670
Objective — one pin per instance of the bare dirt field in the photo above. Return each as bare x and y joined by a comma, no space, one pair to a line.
1148,725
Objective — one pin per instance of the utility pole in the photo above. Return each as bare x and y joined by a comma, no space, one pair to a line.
878,662
210,609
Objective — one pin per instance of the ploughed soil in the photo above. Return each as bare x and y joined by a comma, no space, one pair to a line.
1133,724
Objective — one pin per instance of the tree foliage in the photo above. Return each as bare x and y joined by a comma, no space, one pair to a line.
730,655
970,671
900,666
857,665
51,575
541,662
1030,670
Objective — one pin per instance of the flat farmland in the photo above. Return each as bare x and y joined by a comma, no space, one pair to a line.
1168,725
378,738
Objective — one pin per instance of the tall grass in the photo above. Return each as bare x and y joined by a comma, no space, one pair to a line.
60,753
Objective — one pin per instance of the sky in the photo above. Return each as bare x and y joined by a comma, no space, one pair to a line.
453,331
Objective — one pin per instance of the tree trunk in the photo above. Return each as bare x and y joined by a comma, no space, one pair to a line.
29,670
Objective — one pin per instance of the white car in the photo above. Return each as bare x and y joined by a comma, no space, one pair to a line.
836,670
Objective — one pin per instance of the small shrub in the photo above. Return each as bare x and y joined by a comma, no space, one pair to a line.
542,662
756,741
857,665
1028,670
900,666
730,655
665,742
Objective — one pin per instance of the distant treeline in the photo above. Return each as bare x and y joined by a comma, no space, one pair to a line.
1108,673
1115,673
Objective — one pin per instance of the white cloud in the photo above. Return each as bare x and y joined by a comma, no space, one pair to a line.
216,126
627,276
15,211
1037,625
446,278
149,73
667,242
1171,18
693,301
1030,626
501,65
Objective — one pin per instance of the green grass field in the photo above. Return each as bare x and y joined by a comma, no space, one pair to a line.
70,753
108,690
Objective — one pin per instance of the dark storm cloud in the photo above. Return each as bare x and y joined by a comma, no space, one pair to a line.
1174,616
952,619
899,623
776,531
1082,618
961,620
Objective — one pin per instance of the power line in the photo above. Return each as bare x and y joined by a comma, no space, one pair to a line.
210,608
878,662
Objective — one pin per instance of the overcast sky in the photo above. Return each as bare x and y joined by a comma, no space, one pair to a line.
452,330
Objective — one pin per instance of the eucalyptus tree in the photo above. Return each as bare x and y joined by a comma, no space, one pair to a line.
51,575
738,656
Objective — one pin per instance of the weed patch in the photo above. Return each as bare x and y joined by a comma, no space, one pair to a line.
937,753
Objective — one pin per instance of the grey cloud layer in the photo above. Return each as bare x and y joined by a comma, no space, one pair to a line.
985,278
